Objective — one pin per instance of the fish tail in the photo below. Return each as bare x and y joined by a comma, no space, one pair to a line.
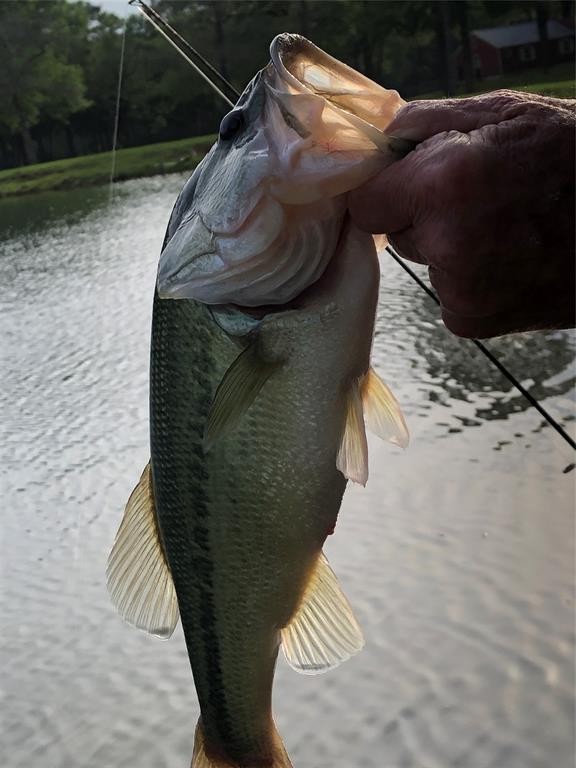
202,759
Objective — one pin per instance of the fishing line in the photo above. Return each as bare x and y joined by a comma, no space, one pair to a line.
117,115
493,359
158,22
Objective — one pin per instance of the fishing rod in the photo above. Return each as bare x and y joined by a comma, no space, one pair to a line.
227,91
206,71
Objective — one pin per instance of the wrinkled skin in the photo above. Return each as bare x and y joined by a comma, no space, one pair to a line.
487,202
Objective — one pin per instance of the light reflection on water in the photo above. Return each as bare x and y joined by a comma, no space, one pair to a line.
457,557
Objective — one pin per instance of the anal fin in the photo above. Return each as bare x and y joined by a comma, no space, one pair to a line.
323,632
138,576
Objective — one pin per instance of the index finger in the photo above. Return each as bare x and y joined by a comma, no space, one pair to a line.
419,120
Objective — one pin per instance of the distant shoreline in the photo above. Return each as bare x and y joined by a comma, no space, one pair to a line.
175,156
94,170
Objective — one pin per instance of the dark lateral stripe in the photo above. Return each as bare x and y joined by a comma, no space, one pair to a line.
182,374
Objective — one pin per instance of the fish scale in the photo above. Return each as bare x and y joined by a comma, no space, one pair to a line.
225,544
242,524
258,415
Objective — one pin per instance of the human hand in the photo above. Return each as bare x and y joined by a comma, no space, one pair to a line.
486,200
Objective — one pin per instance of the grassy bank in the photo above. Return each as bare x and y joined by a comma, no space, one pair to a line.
558,81
92,170
185,154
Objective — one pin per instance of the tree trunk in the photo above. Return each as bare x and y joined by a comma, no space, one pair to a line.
303,17
447,74
367,41
28,147
467,60
51,137
542,13
5,154
43,147
567,9
70,138
219,39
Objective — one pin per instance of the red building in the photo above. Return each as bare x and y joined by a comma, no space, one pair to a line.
518,46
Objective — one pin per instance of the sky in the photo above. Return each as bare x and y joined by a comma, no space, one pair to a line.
119,7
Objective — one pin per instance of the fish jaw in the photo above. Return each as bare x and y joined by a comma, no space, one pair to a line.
189,250
308,70
306,130
342,114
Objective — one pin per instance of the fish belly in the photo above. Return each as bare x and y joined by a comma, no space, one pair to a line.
243,524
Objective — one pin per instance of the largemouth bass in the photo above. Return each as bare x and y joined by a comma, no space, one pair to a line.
259,393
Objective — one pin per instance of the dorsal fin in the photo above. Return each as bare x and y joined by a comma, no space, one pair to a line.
381,410
236,392
323,632
352,458
138,576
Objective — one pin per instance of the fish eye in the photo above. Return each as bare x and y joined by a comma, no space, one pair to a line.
231,124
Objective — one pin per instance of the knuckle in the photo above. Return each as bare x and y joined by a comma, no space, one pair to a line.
460,326
503,99
448,244
460,294
460,173
452,172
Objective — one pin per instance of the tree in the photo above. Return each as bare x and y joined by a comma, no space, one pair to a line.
461,10
37,81
60,60
542,15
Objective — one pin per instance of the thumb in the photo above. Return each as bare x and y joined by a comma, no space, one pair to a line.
387,202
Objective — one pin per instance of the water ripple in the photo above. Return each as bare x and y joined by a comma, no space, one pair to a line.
458,556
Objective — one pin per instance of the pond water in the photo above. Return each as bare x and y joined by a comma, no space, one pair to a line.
457,557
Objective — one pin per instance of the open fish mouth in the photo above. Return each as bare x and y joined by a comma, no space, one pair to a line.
269,202
307,69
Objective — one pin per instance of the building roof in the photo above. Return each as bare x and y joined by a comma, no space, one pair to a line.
521,34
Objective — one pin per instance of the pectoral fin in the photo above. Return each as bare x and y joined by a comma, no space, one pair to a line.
380,242
138,576
381,410
236,392
323,632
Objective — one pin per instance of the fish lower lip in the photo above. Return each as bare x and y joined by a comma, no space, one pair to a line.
166,279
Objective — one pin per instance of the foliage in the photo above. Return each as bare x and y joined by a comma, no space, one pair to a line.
58,82
39,79
184,154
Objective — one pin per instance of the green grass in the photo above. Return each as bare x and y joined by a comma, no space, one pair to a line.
91,170
185,154
558,81
563,89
